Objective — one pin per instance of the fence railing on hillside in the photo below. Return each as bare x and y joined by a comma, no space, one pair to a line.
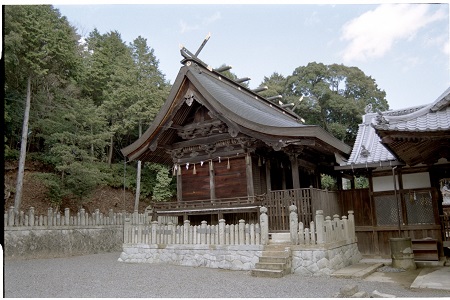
220,234
323,231
81,218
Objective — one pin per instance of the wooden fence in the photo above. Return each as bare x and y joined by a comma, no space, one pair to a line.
323,230
376,217
307,200
81,218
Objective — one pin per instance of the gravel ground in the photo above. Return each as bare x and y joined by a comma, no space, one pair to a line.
101,275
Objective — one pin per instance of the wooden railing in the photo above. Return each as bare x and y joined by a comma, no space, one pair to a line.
222,203
307,200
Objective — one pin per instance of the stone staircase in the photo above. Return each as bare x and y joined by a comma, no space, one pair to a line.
275,261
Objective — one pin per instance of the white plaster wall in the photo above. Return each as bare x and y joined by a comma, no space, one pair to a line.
384,183
416,180
410,181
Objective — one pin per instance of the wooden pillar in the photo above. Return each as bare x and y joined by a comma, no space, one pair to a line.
249,173
295,173
268,179
212,186
179,184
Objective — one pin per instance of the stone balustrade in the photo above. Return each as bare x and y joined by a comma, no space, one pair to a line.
323,230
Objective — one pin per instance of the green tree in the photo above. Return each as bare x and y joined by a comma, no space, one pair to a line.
150,87
39,45
334,97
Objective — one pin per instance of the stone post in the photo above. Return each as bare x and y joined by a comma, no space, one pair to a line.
227,234
178,235
203,233
26,220
345,229
82,217
241,232
111,216
232,240
293,224
21,218
194,236
208,235
328,229
313,233
337,229
257,234
67,216
97,217
301,233
11,216
191,235
264,223
31,216
222,232
50,216
320,227
58,219
126,231
185,231
307,236
252,234
154,232
247,234
351,224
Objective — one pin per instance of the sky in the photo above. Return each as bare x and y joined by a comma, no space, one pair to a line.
404,47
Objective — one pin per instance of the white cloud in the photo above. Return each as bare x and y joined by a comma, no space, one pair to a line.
184,27
373,33
446,48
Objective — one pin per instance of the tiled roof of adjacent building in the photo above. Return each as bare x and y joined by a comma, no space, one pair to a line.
368,149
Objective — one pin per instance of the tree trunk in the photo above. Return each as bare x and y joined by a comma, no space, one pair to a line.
111,151
23,149
138,186
138,177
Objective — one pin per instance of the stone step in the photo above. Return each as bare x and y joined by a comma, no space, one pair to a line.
276,253
274,259
270,266
268,273
276,247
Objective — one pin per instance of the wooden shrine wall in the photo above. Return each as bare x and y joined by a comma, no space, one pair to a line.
227,182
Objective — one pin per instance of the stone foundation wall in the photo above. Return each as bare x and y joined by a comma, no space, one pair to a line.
61,241
237,257
323,260
308,261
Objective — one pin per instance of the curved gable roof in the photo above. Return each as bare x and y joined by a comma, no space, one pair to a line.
233,102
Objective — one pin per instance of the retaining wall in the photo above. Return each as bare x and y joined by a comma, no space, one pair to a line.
323,260
26,242
230,257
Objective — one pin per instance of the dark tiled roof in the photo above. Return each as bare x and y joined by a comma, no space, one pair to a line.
245,105
432,117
